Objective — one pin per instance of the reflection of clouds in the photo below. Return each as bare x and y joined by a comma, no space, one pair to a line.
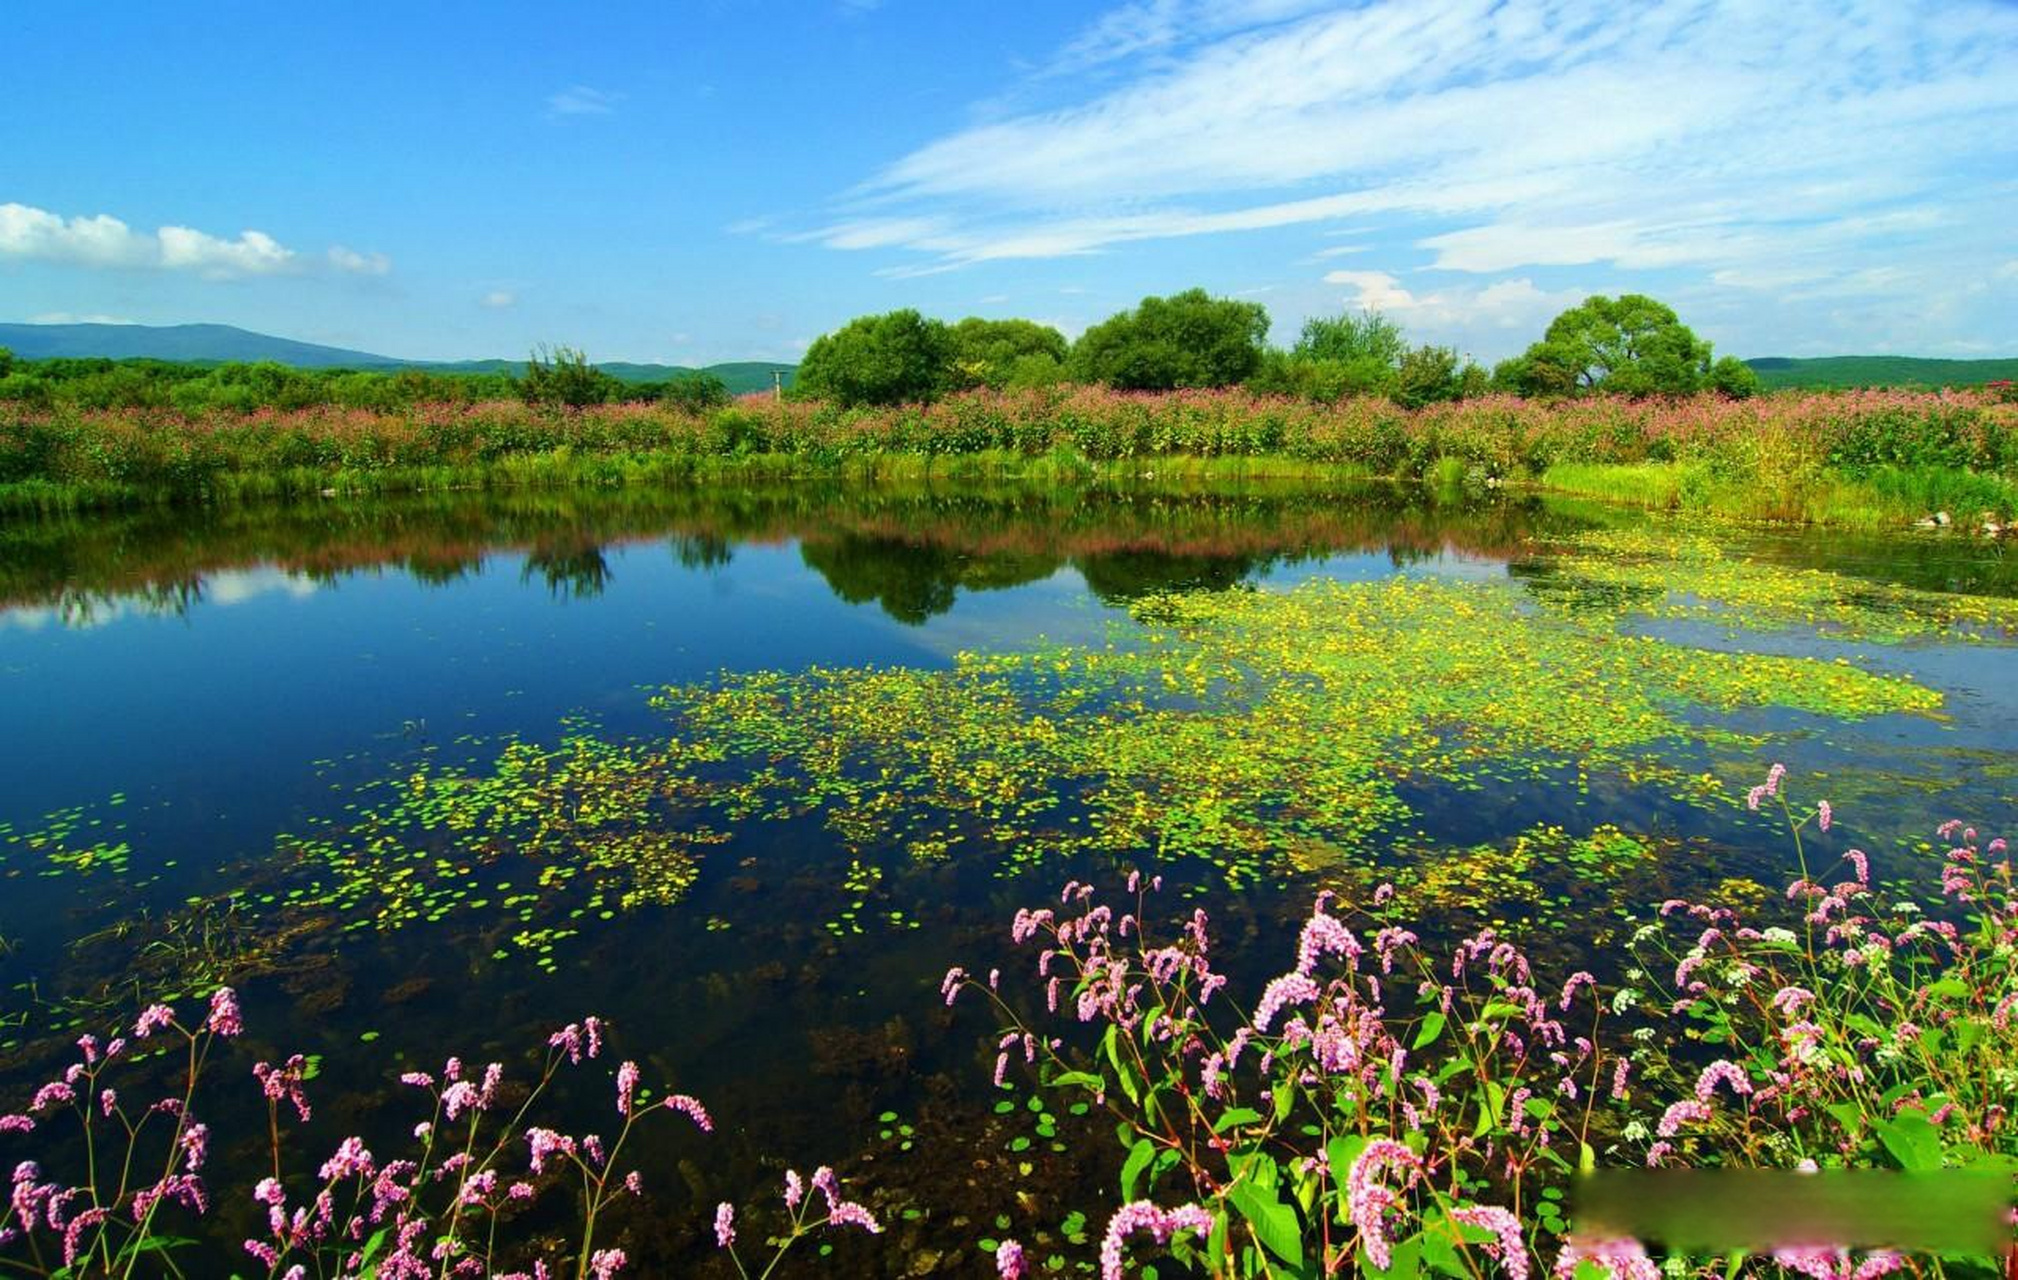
235,586
225,587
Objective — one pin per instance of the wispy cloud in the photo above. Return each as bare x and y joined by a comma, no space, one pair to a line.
1717,135
498,299
1505,304
351,262
71,317
104,241
581,100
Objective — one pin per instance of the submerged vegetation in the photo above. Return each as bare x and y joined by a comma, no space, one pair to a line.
1263,734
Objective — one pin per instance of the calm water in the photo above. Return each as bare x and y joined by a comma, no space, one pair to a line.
198,685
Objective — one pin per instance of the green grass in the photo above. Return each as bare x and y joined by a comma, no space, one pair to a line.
1883,497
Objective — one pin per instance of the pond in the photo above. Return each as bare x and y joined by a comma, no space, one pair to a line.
745,770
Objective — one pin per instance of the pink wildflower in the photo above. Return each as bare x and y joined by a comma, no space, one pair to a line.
1621,1259
627,1085
1009,1261
1141,1215
224,1019
1507,1246
691,1108
849,1214
1727,1073
725,1225
1684,1112
154,1018
1368,1199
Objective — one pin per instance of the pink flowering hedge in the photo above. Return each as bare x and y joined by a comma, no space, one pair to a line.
166,453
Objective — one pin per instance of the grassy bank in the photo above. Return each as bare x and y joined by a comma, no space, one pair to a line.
1878,497
1854,458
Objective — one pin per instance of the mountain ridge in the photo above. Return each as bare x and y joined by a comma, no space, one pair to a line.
223,343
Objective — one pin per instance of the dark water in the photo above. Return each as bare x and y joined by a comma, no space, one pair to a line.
198,684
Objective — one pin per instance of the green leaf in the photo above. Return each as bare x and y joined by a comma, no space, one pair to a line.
1489,1107
1432,1027
1273,1222
1138,1159
1126,1080
1235,1116
1913,1141
1077,1079
1849,1115
1285,1098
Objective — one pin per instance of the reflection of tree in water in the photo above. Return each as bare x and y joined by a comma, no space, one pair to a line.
579,572
1120,576
914,581
84,608
440,570
702,550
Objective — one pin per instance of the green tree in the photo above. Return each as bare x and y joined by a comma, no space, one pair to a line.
1629,345
6,362
986,353
1187,340
1426,375
1357,353
564,376
1365,337
693,392
895,358
1734,378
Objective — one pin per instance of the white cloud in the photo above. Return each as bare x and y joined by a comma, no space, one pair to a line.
71,317
499,299
1475,310
581,100
361,264
1812,138
102,240
254,253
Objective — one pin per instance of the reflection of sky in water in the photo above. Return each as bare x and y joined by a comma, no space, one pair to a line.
224,587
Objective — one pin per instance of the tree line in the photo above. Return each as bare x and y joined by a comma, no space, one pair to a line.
551,376
1630,345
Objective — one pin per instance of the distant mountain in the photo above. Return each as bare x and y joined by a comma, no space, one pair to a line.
1779,372
221,343
201,343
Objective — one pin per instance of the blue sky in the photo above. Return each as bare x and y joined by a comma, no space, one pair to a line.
725,179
